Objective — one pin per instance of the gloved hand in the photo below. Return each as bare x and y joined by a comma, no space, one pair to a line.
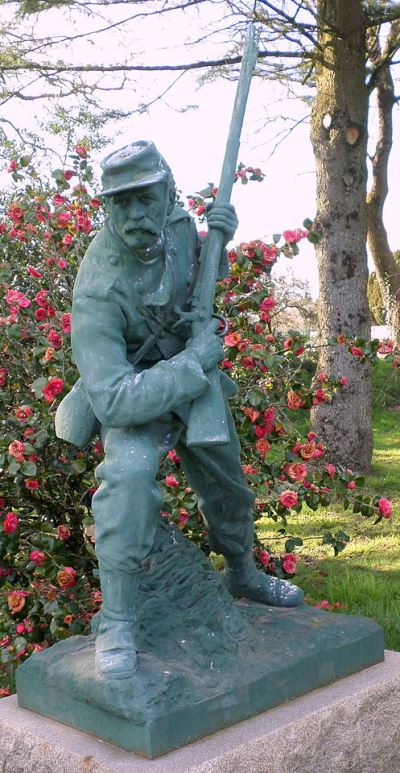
207,346
223,217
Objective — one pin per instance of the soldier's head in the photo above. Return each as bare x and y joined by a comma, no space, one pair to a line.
139,192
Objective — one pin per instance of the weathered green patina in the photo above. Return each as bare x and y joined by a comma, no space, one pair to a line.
140,369
206,662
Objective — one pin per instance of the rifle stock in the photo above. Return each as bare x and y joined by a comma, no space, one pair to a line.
208,424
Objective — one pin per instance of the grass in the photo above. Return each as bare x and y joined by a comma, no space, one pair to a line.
365,578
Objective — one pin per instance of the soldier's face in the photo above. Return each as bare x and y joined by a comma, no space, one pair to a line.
139,215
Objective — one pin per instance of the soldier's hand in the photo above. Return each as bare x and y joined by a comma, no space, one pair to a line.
208,347
223,217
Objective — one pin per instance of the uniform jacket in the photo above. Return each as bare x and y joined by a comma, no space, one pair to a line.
123,309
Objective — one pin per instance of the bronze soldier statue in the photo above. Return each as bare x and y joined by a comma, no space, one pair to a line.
140,371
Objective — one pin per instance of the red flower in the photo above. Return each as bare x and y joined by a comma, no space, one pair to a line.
385,507
10,524
41,314
264,557
357,351
52,389
171,481
288,498
41,297
289,561
31,484
68,174
55,339
66,323
23,413
3,376
81,151
296,470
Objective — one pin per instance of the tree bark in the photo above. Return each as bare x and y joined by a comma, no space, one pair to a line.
339,138
387,268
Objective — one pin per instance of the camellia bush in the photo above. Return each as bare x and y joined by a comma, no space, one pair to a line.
48,581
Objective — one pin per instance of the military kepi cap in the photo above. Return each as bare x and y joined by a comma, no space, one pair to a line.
133,166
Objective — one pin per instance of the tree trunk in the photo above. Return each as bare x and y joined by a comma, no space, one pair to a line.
387,268
339,138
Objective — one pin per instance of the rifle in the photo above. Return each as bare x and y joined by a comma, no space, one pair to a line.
207,425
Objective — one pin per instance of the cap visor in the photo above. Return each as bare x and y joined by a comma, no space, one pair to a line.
134,184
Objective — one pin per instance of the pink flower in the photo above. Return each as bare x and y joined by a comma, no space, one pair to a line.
324,604
23,413
17,450
322,377
40,314
81,151
67,239
343,381
63,532
34,272
171,481
68,174
20,628
294,400
53,388
351,485
264,557
289,561
330,469
288,499
247,362
37,556
183,518
66,323
292,237
66,577
10,523
296,470
174,457
356,351
268,304
58,200
263,446
3,376
55,339
12,165
41,297
385,507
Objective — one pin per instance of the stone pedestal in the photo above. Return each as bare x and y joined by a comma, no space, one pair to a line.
352,725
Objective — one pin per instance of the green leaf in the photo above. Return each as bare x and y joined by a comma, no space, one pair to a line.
341,535
14,467
58,174
276,238
293,542
25,160
37,386
41,438
307,223
29,469
328,539
79,466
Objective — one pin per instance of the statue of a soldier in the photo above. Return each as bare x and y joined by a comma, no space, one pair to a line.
139,373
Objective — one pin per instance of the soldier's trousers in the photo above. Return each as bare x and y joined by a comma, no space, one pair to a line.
127,504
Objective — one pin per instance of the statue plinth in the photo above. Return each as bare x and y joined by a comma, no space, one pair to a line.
205,661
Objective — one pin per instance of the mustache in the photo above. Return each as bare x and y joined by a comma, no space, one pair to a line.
144,224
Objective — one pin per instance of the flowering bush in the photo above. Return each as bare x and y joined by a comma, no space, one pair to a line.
48,586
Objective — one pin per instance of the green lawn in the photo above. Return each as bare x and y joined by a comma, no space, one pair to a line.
365,578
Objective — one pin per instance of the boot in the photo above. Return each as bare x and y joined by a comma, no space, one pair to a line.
243,580
116,656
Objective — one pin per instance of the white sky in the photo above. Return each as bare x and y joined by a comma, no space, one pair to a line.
193,142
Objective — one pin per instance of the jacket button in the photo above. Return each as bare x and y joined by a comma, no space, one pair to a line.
113,260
